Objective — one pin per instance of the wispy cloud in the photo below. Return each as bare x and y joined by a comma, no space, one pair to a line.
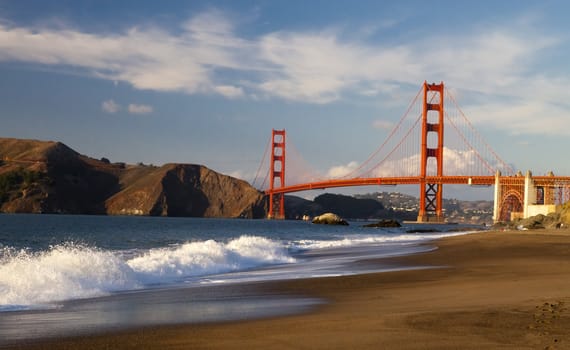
319,66
526,117
110,106
139,109
382,124
342,170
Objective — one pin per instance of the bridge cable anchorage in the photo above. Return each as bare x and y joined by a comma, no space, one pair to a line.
263,158
392,133
505,166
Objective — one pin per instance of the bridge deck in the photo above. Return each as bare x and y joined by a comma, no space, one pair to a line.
415,180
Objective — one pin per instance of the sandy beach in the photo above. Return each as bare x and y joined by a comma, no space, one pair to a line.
490,290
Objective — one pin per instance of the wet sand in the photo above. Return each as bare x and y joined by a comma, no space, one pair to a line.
491,290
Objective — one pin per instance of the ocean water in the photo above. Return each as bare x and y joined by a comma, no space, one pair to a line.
64,275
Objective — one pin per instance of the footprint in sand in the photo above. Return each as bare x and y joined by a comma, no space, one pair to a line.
546,322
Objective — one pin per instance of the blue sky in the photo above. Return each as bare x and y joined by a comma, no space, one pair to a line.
206,81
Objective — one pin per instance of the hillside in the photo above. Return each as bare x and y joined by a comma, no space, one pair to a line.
472,212
49,177
345,206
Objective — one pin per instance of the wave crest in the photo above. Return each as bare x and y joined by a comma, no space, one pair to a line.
208,257
67,271
74,271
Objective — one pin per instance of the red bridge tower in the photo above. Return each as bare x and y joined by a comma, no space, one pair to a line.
431,194
277,172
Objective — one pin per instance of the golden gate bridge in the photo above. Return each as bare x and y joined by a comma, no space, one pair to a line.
414,153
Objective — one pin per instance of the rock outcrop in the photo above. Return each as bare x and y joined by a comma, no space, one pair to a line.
564,217
329,219
557,220
49,177
384,223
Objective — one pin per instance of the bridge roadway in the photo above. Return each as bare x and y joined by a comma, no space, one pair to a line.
387,181
416,180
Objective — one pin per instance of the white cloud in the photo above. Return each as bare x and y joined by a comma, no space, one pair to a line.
229,91
139,109
110,106
382,124
145,57
342,170
238,174
310,66
455,162
527,117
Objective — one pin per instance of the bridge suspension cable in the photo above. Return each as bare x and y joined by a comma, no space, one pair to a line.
261,163
397,147
501,164
469,160
406,152
300,169
392,133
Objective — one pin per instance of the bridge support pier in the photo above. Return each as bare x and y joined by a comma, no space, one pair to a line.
497,197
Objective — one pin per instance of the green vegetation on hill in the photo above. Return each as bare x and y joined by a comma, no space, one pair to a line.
14,182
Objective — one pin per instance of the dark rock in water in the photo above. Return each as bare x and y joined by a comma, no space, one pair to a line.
422,230
384,223
329,219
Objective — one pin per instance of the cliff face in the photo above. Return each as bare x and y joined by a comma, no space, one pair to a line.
188,190
49,177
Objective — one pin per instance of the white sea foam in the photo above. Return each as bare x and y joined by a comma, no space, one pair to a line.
73,271
208,257
372,239
66,271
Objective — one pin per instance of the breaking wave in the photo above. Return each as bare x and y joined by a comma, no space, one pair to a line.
75,271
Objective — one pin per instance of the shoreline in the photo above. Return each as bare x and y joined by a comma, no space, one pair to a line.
485,290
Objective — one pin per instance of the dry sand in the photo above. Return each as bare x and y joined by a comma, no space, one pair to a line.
492,290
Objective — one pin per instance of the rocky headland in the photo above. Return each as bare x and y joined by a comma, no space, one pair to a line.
557,220
50,177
